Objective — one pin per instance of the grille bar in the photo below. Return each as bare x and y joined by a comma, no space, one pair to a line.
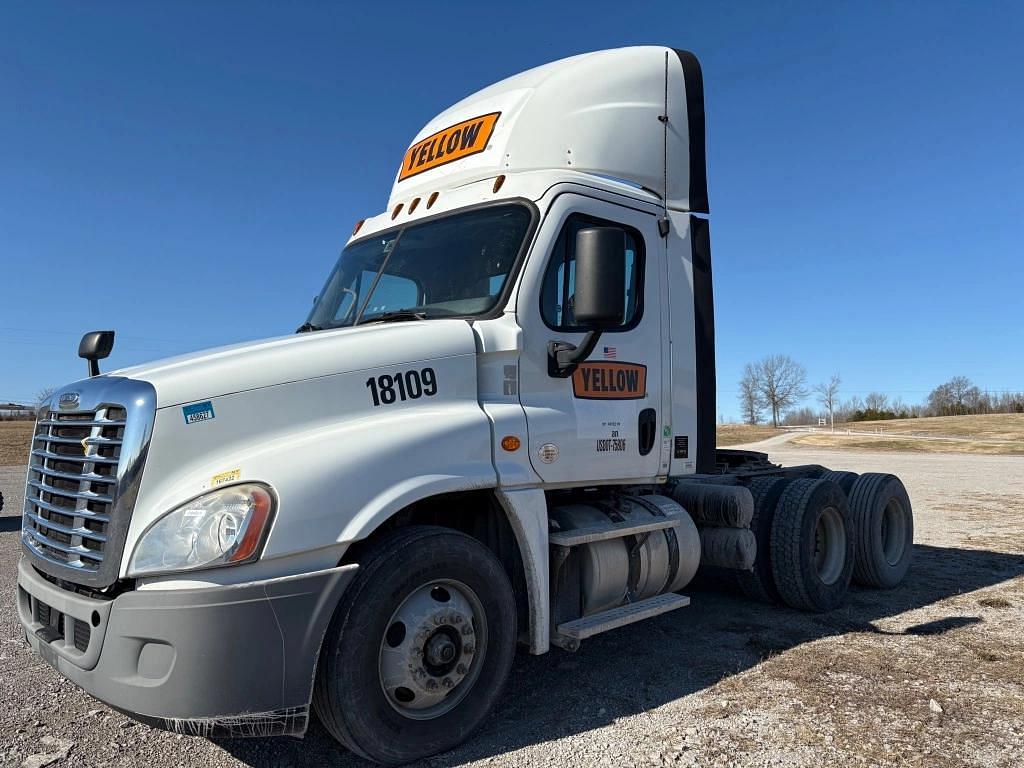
77,441
102,498
70,511
71,457
67,549
76,423
42,522
91,477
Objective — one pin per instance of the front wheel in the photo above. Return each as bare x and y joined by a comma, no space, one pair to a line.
420,646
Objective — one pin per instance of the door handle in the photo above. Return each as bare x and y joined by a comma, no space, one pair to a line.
647,421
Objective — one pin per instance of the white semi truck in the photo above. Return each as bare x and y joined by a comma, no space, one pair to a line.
496,427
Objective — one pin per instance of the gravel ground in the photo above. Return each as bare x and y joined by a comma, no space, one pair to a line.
931,674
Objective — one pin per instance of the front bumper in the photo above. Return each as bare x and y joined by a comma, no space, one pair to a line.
236,660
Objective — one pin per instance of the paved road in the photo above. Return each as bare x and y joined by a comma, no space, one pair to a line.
640,695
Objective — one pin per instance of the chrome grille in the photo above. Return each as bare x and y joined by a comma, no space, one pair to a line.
72,483
85,470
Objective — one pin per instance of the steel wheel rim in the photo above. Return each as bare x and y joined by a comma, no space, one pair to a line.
432,649
829,545
894,532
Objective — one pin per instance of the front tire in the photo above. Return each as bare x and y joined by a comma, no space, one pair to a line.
420,646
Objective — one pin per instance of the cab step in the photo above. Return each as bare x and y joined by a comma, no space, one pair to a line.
569,634
574,537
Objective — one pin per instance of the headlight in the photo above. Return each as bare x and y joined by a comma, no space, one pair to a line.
223,527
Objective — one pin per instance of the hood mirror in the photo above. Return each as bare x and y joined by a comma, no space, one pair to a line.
95,346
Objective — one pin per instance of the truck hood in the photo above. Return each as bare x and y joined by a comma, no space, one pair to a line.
297,357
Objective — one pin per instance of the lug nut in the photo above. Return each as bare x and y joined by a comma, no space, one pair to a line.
461,669
447,682
431,685
468,648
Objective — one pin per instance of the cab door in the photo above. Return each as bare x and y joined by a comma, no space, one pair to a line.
605,422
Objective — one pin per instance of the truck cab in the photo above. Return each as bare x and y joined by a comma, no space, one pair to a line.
494,428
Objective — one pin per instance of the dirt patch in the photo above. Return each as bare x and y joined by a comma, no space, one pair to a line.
15,438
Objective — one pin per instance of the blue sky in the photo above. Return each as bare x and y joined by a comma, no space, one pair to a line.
186,173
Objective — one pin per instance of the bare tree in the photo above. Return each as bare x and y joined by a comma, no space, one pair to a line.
750,395
828,393
781,383
44,394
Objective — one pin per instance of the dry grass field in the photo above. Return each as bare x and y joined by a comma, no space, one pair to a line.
908,444
993,426
736,434
991,434
15,437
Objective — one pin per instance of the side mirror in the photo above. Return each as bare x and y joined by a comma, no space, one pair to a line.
600,294
599,297
95,346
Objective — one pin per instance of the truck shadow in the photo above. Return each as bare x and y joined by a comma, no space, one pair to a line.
643,666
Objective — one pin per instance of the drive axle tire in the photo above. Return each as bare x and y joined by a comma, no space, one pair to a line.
759,584
812,545
844,480
419,648
883,530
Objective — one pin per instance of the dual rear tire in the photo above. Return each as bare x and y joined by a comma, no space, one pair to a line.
816,536
812,545
883,525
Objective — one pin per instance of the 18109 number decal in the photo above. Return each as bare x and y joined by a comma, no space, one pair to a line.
408,385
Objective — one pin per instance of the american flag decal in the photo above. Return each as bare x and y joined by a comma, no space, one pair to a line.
610,353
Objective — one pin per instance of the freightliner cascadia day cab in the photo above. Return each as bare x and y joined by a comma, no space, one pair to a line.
495,428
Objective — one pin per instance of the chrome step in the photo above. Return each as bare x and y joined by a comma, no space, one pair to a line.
576,536
568,635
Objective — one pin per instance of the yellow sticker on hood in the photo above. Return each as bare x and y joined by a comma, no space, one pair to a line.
225,477
453,143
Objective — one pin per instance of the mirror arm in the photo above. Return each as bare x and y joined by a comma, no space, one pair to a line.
564,358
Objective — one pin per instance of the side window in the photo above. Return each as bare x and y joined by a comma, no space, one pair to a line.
558,289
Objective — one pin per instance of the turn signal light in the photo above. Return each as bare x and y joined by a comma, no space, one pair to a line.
510,443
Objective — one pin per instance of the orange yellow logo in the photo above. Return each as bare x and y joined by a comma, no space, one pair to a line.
610,381
453,143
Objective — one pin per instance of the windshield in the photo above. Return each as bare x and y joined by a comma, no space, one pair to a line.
456,265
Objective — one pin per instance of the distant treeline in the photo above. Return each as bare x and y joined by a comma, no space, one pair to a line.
777,385
957,397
